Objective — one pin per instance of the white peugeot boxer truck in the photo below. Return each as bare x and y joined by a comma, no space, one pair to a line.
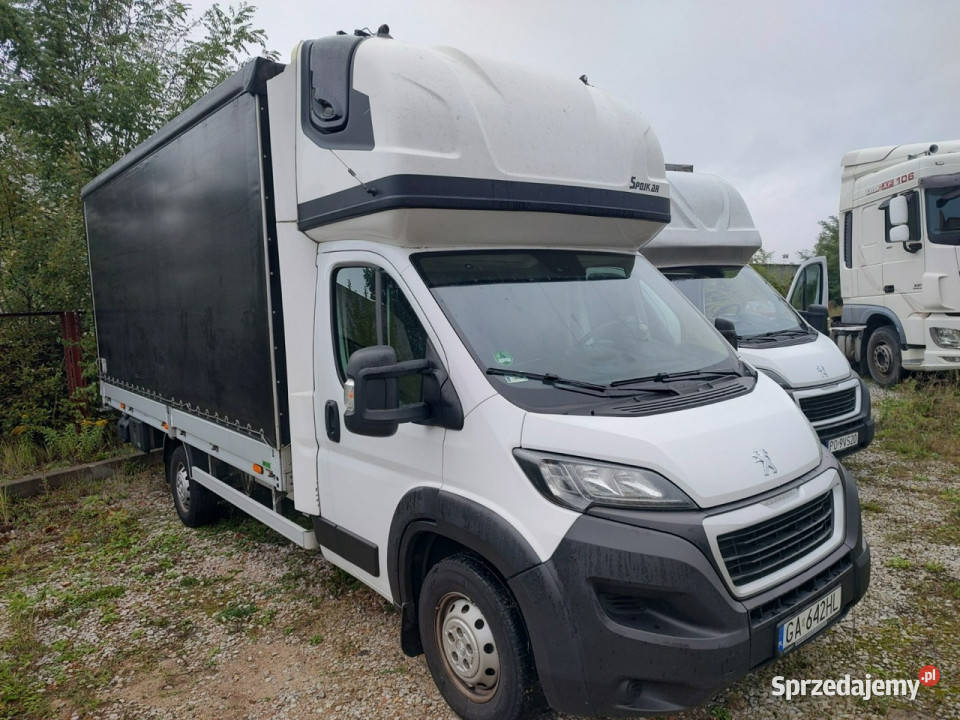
705,251
387,299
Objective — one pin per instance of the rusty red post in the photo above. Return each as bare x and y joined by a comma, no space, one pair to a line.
70,328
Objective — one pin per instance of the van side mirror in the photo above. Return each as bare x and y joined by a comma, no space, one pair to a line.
371,393
899,213
817,316
728,330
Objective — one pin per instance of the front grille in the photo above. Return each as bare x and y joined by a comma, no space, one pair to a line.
831,405
758,550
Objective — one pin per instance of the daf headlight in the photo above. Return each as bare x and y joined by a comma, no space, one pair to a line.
946,337
578,484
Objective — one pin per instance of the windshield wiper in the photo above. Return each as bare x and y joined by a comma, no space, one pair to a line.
664,377
554,380
773,334
547,378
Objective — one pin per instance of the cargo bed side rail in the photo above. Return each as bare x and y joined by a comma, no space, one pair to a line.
233,448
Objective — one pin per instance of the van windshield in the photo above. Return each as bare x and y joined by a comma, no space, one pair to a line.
740,295
598,320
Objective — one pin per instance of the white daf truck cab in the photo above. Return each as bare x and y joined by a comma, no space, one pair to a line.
387,299
705,251
899,259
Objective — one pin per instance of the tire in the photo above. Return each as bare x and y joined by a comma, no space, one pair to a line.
883,356
195,504
467,616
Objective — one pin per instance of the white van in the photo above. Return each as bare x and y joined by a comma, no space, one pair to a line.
705,251
387,299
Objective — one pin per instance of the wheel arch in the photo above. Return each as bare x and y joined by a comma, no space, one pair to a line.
170,444
431,524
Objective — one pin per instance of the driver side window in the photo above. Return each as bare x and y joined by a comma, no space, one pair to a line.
371,309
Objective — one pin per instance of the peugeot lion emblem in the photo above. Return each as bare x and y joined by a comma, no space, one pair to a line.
763,457
822,370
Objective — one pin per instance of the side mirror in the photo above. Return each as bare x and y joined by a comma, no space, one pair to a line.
900,234
728,330
371,393
817,316
899,213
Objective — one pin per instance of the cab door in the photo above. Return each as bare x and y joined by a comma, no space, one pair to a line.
361,301
810,284
903,261
811,287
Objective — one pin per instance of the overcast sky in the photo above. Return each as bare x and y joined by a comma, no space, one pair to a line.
768,94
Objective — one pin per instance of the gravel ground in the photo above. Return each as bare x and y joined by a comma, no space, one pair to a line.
112,609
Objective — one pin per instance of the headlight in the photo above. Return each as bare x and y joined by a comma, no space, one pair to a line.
775,377
578,484
946,337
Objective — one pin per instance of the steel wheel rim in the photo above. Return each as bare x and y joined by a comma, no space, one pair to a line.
467,646
181,485
881,356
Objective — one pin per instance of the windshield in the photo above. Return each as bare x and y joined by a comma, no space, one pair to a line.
588,317
943,214
740,295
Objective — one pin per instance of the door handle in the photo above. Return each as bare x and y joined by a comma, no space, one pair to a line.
331,417
888,288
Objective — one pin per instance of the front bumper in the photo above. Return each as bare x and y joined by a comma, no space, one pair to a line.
861,424
626,619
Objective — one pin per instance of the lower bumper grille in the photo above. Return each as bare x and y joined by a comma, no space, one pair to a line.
756,551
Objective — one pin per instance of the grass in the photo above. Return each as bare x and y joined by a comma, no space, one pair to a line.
920,420
899,563
35,449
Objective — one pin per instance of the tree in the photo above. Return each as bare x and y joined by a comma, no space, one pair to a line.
761,262
828,245
81,83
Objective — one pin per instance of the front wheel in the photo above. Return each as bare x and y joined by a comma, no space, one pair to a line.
475,643
883,356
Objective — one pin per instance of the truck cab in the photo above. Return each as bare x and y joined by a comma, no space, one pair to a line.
900,259
705,251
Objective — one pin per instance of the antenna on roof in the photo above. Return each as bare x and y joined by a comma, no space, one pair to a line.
583,79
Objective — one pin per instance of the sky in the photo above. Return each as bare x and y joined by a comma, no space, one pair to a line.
769,94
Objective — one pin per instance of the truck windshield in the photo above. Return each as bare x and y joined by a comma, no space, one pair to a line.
943,214
740,295
574,321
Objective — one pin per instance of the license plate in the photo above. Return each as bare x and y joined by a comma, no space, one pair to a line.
843,442
808,621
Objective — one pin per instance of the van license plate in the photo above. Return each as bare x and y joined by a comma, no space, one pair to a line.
808,621
843,442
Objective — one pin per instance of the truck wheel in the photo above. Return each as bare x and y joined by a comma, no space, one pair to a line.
195,504
883,356
475,643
